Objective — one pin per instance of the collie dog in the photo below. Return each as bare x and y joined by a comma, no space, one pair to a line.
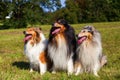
61,46
34,48
89,51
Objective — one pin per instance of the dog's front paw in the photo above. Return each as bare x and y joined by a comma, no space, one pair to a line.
70,73
76,73
53,72
31,70
95,73
42,73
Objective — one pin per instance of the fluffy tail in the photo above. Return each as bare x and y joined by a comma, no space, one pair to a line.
103,60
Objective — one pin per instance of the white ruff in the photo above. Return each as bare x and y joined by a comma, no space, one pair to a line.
59,54
33,52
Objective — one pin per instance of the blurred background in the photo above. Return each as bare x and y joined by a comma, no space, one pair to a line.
21,13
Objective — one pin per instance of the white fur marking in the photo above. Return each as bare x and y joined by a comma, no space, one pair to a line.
95,69
70,66
59,54
43,68
78,70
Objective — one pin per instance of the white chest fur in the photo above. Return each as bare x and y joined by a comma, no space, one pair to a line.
33,51
59,54
89,55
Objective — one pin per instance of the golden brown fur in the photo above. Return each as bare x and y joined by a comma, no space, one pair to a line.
35,35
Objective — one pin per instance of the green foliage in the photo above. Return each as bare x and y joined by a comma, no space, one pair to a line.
47,11
69,12
14,24
32,13
77,11
26,12
3,12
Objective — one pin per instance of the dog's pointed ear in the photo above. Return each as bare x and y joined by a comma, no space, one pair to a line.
38,29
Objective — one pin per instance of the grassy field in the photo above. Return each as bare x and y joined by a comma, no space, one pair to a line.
14,65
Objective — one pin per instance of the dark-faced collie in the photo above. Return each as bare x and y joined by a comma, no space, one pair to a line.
61,46
34,47
89,51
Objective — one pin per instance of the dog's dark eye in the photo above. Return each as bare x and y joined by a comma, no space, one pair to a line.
58,22
83,31
89,31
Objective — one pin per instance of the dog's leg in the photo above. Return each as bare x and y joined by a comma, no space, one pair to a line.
43,68
78,70
95,69
42,63
31,67
53,70
70,66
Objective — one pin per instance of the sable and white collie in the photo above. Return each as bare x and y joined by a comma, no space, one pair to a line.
89,51
61,46
34,48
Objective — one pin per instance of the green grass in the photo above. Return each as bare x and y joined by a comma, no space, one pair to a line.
14,65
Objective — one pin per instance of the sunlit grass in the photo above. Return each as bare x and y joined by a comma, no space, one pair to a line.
14,65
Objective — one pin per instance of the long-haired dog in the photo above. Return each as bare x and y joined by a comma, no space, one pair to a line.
89,51
34,47
61,46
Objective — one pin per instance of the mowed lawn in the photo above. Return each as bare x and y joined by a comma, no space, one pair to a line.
14,64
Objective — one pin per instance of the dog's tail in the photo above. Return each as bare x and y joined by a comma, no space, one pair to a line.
103,60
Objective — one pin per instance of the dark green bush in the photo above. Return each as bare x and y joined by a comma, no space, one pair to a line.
13,24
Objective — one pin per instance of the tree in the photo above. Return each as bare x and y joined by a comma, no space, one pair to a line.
3,9
113,13
69,12
32,12
28,12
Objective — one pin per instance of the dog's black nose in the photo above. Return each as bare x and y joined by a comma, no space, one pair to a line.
24,32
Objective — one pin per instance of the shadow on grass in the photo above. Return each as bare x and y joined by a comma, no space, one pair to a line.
21,65
117,77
